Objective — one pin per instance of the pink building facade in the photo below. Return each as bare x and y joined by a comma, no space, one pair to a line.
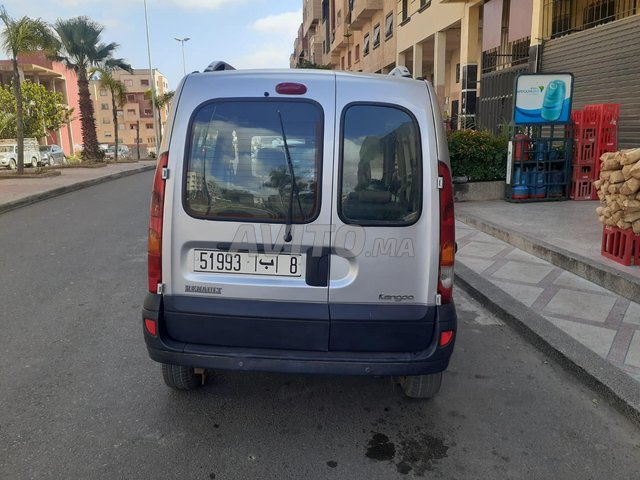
56,78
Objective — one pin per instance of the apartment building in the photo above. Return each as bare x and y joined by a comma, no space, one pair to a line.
54,76
135,119
472,50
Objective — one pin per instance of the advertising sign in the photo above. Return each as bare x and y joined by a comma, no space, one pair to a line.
543,98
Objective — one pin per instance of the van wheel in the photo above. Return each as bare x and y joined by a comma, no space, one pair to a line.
421,386
12,164
34,163
181,378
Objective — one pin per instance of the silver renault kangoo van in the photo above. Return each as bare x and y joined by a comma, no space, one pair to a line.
302,222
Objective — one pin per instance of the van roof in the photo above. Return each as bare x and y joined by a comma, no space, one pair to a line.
302,72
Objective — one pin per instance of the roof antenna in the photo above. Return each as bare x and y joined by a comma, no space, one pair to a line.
400,71
218,66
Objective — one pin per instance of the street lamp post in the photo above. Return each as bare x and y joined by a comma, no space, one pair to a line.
152,79
182,40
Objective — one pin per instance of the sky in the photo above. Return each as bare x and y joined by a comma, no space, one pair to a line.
244,33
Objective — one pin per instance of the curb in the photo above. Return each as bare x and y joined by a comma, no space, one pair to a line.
607,380
607,277
38,197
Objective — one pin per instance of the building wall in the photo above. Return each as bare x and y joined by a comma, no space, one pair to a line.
55,77
606,66
136,109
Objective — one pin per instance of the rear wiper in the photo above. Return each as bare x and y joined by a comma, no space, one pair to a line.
294,185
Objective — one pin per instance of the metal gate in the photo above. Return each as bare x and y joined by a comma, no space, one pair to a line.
495,105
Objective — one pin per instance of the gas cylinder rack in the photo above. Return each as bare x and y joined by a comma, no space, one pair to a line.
540,163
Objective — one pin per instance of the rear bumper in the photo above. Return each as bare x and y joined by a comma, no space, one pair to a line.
433,359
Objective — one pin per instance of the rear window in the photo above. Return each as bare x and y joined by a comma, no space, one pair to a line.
237,167
381,177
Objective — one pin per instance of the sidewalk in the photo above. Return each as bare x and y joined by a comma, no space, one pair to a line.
595,329
15,193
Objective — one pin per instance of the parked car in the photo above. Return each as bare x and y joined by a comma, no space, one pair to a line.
9,153
123,152
52,155
302,222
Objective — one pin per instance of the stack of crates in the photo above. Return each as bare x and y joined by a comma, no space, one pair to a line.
595,132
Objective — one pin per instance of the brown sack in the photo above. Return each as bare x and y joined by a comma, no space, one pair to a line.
634,170
607,155
631,203
617,176
615,206
636,227
629,157
617,216
597,184
611,164
626,171
615,187
630,187
621,224
631,217
605,175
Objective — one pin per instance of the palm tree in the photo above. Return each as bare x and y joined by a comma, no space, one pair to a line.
117,89
23,35
80,49
161,102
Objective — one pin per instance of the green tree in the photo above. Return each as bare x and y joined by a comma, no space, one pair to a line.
81,48
306,64
117,89
161,102
44,110
23,35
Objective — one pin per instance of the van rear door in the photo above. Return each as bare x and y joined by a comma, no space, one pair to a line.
232,278
384,263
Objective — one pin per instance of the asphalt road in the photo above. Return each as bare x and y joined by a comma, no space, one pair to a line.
80,399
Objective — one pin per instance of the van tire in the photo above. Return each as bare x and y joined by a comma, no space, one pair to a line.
421,386
180,378
12,165
34,163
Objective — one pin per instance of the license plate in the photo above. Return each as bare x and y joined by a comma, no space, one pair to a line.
216,261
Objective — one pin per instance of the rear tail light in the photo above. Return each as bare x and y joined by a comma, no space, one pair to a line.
151,326
447,235
446,337
154,256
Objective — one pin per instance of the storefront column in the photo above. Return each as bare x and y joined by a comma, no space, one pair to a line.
469,42
537,34
401,59
417,60
440,66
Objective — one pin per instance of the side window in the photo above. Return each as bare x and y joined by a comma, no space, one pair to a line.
381,166
237,166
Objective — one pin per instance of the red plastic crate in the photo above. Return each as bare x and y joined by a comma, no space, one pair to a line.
582,189
608,113
608,138
586,134
584,153
584,172
622,246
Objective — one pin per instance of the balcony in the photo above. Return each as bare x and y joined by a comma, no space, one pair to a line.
362,12
311,14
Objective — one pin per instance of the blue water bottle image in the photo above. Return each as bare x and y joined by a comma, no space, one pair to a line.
553,100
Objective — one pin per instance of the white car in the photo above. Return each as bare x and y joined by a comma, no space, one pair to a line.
9,154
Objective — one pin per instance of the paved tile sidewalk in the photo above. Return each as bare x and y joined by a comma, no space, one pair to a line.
604,322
